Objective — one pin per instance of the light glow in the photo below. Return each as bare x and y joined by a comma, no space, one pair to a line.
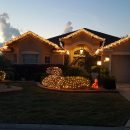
99,63
107,59
81,51
56,81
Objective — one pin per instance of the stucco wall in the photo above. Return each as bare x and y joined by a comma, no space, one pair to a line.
119,61
33,45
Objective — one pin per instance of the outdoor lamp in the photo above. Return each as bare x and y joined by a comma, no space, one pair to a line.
81,51
107,59
99,63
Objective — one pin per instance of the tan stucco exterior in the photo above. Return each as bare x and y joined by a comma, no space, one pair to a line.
119,53
119,61
81,42
31,45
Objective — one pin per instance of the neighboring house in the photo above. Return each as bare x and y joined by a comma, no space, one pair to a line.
76,48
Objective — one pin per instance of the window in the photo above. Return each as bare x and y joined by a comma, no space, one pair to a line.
47,60
30,58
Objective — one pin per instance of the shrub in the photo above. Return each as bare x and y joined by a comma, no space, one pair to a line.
2,75
54,71
75,71
109,83
70,82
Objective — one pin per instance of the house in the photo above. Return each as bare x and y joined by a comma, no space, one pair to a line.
74,48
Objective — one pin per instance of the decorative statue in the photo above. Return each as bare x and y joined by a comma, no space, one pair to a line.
95,84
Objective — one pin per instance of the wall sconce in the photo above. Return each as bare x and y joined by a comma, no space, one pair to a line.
81,51
99,63
107,59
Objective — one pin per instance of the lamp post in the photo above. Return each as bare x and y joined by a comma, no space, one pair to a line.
99,63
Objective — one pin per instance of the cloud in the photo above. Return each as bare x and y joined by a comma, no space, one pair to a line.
68,27
6,30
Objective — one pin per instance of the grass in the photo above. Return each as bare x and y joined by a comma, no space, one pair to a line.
37,105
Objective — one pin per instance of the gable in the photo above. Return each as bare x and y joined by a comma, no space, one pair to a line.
31,35
120,45
82,34
108,38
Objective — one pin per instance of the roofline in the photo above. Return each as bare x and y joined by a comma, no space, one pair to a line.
114,44
35,35
86,31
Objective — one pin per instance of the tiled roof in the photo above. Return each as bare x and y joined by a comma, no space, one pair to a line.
108,38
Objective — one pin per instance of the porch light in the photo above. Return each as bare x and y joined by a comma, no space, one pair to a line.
81,51
99,63
67,52
107,59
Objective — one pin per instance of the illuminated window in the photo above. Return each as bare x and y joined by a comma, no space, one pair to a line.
47,60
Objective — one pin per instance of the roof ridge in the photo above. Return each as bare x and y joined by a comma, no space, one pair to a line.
101,32
35,35
85,31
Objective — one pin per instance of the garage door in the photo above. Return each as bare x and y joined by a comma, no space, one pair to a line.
121,68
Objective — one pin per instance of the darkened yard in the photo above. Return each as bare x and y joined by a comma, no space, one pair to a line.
37,105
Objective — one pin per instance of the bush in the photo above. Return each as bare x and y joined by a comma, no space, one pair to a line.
69,82
109,83
31,71
2,75
75,71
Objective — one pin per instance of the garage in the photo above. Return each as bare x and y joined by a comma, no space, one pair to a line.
120,68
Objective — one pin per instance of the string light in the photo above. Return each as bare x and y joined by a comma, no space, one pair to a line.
84,31
114,44
70,82
56,81
36,36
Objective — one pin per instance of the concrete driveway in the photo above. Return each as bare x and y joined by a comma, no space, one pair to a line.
124,90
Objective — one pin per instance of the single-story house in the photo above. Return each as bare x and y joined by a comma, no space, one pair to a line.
74,48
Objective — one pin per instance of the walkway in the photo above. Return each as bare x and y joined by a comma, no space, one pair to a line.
124,90
55,127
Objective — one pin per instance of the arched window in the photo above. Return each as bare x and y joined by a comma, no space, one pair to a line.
80,53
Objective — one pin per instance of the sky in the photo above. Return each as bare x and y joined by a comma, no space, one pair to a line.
48,18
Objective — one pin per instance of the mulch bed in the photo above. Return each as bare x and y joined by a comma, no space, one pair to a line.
88,90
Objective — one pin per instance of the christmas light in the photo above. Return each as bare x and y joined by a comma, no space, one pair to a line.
56,81
34,35
84,31
114,44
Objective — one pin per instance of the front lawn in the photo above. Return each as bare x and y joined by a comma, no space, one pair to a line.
37,105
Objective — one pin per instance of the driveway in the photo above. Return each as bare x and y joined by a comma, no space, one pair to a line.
124,90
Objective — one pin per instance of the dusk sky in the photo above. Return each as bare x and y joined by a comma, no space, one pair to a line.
49,17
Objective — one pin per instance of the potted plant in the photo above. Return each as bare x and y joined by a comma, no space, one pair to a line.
109,82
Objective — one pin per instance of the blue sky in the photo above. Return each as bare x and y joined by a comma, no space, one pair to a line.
48,17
